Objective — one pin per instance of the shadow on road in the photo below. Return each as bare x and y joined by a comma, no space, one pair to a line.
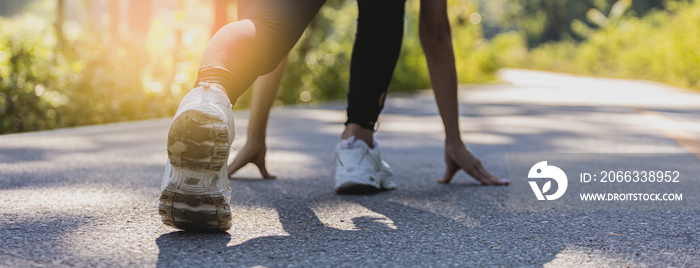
299,220
414,236
461,224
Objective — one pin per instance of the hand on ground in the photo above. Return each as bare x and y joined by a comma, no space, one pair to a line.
459,157
251,154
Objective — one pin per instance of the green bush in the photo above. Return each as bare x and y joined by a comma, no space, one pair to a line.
90,78
45,84
32,77
662,46
320,63
476,60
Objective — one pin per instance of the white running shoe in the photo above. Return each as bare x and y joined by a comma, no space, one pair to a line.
387,183
195,193
360,169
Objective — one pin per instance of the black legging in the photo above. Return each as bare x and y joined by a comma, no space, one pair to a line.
267,29
374,56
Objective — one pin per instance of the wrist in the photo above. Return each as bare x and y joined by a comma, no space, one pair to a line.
453,140
256,142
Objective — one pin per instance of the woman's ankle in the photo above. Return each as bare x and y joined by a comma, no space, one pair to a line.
360,133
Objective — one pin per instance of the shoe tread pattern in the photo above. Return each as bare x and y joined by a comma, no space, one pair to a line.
208,219
198,142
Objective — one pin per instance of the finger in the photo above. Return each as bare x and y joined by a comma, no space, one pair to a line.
477,171
450,171
499,181
259,161
237,164
493,180
490,178
265,174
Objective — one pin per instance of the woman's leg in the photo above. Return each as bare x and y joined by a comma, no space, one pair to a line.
359,167
195,191
255,148
377,46
243,50
371,70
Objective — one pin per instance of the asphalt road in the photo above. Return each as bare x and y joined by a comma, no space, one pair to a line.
87,196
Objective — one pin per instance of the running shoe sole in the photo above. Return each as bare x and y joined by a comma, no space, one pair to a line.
356,186
357,189
198,149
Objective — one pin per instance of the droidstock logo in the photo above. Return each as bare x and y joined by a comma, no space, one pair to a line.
542,171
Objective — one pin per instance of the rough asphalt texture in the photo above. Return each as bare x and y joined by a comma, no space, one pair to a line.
87,196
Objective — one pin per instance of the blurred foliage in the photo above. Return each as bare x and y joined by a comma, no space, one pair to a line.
45,84
319,65
93,78
476,62
663,46
543,21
